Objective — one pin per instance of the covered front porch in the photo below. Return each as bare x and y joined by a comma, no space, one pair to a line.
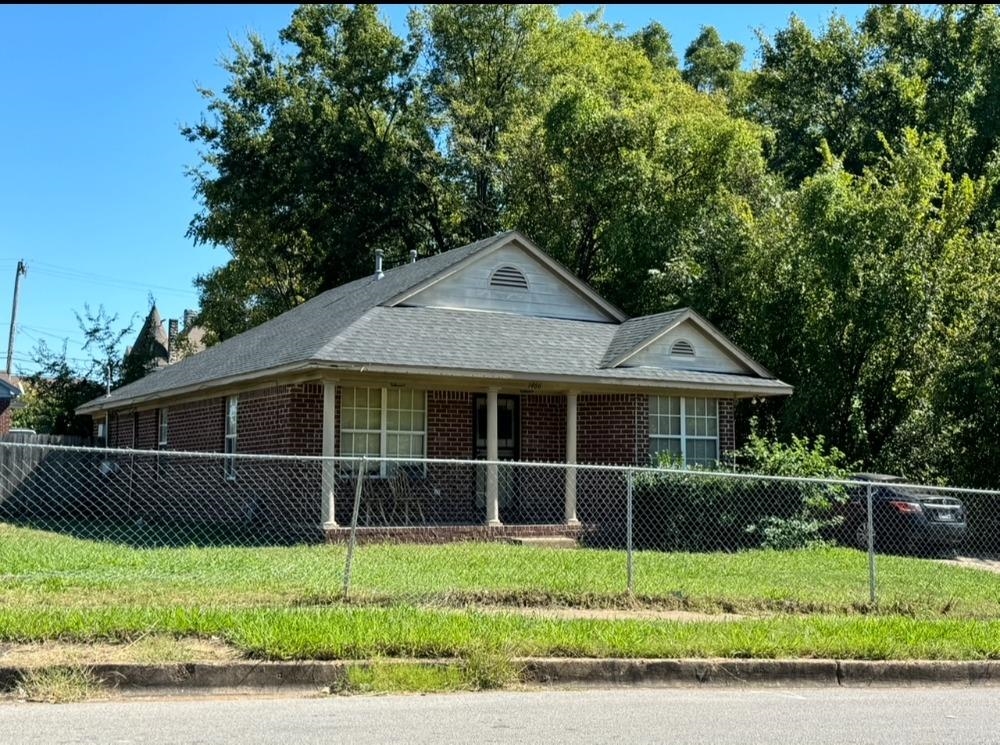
405,430
493,461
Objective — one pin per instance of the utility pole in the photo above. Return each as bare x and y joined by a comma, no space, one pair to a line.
22,269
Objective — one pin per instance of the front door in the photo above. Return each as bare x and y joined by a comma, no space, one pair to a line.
508,448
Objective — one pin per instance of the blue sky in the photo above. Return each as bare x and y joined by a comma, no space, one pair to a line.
93,192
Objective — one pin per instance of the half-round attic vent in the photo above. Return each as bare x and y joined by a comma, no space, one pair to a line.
509,277
682,348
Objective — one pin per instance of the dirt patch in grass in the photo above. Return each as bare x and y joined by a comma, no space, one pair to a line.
146,650
610,614
986,563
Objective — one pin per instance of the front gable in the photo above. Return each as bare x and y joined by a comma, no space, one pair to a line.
513,277
686,347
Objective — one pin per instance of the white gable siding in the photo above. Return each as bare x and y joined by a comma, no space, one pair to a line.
547,296
708,355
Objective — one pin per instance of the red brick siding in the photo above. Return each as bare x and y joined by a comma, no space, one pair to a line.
612,428
146,429
540,491
6,415
727,427
281,420
123,429
198,426
543,428
305,419
449,424
449,435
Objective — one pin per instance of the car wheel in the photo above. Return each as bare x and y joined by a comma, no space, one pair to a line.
861,535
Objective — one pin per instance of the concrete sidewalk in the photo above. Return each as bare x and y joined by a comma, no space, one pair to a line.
304,676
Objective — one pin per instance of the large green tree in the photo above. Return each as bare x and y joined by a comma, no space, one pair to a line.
627,174
861,270
313,156
485,69
900,67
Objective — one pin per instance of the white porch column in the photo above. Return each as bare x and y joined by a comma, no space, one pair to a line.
329,450
492,486
571,459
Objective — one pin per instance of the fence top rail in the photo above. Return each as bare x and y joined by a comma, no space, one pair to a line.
621,469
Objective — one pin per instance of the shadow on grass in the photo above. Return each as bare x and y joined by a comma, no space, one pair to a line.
175,533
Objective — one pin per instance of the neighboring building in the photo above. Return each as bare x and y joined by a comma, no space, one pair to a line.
155,348
10,391
490,351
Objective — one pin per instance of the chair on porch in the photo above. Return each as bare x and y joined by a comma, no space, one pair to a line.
406,498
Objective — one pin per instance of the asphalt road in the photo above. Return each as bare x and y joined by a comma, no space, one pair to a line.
629,715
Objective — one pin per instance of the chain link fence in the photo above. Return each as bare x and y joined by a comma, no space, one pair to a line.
461,530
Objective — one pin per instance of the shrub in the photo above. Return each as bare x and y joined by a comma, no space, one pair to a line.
694,510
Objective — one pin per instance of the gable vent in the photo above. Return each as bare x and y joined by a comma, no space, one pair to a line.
682,348
509,277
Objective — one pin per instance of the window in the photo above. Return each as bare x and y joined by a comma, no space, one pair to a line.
230,463
383,423
682,348
509,277
161,439
686,427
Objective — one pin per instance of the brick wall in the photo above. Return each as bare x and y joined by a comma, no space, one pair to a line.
727,427
146,429
197,426
612,428
5,415
449,424
543,428
281,420
449,435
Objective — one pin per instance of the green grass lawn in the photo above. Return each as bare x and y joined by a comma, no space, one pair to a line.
285,602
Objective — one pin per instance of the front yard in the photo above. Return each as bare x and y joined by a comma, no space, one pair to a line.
461,599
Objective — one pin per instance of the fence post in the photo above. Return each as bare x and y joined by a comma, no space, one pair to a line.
362,470
872,595
629,558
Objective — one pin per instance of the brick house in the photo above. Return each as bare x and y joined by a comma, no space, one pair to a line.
10,391
490,351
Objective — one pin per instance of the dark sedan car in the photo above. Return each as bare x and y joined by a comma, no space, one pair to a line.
905,518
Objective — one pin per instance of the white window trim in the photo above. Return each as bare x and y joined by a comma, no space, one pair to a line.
162,428
229,466
684,437
384,431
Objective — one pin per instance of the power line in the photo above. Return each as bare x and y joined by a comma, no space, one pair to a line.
62,272
61,337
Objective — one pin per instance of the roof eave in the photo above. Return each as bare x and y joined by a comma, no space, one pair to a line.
741,390
107,403
773,388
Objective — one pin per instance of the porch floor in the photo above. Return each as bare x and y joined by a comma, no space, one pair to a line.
456,533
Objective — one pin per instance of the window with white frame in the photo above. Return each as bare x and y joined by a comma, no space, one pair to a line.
231,411
383,423
686,427
161,439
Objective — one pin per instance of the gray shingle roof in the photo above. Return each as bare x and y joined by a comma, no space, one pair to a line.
635,331
348,326
440,339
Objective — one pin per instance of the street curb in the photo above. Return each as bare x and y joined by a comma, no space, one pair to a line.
315,675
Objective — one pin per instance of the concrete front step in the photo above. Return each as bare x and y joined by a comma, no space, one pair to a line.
544,541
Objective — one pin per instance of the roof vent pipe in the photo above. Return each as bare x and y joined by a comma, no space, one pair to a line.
413,256
379,253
